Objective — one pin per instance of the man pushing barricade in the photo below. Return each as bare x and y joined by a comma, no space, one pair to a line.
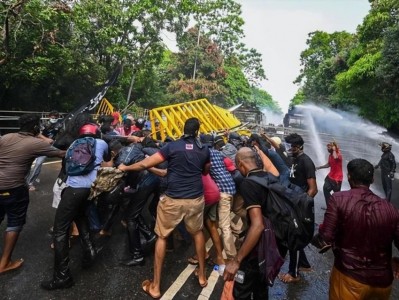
187,160
17,152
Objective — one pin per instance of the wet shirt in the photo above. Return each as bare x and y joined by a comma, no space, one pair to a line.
17,152
335,167
362,226
301,170
220,175
186,162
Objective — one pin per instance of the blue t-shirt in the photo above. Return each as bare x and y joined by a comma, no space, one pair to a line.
186,162
85,181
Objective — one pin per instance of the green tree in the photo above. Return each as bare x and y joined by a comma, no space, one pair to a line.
264,100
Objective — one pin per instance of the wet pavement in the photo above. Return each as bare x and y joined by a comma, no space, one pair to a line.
107,279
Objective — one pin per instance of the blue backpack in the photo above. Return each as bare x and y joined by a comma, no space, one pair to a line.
80,158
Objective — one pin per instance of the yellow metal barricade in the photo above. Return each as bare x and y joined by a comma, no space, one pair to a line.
104,108
169,120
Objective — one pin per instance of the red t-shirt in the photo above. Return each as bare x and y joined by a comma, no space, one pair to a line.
335,167
211,190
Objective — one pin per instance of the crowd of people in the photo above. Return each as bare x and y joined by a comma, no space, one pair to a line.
193,184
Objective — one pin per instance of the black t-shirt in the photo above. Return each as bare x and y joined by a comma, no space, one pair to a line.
186,162
301,170
254,194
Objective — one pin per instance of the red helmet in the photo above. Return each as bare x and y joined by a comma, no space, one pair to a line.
89,129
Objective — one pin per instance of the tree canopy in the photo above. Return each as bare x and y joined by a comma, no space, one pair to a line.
56,54
360,69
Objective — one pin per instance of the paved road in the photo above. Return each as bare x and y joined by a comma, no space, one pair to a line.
109,280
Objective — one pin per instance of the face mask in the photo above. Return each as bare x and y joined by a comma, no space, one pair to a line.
53,121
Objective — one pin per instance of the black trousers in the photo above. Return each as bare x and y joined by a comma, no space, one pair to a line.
72,207
298,259
386,184
330,185
132,214
252,287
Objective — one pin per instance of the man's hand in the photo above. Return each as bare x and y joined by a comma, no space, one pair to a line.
122,167
231,269
391,175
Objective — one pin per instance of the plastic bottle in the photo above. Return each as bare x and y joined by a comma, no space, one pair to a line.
239,275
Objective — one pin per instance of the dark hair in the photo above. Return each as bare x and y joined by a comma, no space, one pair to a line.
28,122
127,122
191,126
105,119
207,139
294,139
360,171
71,132
115,145
54,113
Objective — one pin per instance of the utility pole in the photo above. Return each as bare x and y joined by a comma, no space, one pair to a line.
196,51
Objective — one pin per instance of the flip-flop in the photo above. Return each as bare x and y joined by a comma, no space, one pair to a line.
146,288
203,285
288,278
193,261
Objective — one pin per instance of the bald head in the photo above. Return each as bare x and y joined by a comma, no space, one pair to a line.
245,160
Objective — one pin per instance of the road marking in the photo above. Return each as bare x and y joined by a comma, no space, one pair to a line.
179,282
207,291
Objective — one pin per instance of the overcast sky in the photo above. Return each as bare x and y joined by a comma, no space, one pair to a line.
278,29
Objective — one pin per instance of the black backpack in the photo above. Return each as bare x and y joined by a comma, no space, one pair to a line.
290,210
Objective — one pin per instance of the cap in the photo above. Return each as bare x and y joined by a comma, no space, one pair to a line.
276,139
218,139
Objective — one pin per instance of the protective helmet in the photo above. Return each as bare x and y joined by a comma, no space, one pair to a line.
140,122
89,129
385,146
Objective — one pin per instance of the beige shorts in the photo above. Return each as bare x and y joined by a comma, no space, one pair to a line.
170,212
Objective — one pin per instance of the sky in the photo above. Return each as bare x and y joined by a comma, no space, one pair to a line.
278,29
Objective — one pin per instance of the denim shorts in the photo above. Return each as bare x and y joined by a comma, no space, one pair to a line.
14,203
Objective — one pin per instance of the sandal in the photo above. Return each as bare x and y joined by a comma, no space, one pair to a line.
146,288
288,278
194,261
203,285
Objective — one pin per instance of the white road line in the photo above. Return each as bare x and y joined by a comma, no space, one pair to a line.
179,282
207,291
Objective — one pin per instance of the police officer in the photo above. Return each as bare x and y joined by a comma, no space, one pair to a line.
388,166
